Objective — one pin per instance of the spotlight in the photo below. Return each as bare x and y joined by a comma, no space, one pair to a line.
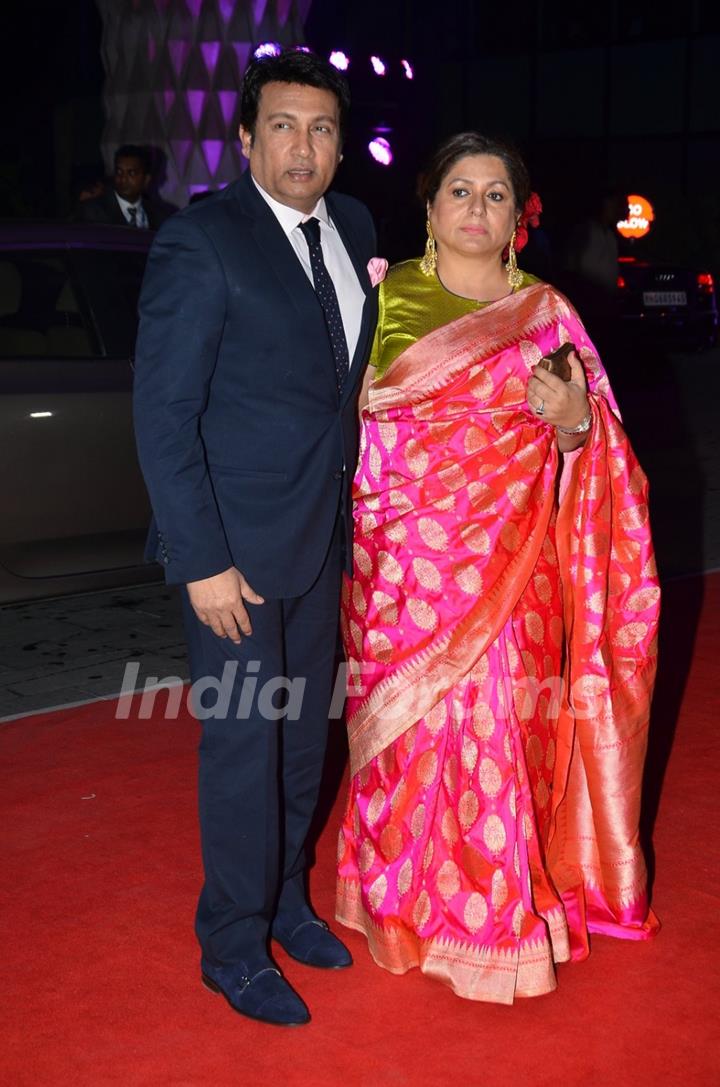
378,66
302,49
381,150
340,60
268,49
408,69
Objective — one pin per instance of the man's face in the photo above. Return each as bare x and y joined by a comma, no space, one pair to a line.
130,178
296,148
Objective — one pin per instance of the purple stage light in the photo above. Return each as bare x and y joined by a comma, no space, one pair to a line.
268,49
181,149
339,60
378,65
196,104
228,102
210,52
408,69
302,49
227,8
212,149
178,51
381,150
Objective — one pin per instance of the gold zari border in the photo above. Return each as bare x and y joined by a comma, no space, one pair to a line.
472,972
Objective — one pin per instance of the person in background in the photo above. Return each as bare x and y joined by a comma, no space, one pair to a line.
592,249
88,183
500,625
590,271
127,202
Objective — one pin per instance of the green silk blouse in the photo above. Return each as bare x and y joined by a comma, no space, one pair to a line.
410,305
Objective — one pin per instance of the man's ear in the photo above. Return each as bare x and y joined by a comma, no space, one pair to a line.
246,141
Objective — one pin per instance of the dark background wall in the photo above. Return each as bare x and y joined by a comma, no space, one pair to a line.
622,93
51,118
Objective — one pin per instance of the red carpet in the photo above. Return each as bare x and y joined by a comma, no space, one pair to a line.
100,965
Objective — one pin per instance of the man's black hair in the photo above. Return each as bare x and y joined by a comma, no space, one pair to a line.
132,151
291,66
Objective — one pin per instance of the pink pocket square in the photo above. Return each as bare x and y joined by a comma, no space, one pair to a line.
377,270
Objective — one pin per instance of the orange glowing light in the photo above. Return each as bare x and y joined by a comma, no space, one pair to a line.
640,215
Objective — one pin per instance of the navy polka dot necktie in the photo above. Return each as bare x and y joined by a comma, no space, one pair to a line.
327,297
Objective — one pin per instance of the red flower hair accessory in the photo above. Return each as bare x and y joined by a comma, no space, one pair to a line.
529,216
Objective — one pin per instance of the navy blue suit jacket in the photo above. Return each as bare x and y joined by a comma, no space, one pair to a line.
242,434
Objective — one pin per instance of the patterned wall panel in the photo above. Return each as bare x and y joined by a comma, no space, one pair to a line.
173,72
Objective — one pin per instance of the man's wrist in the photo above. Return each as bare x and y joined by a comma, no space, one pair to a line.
208,577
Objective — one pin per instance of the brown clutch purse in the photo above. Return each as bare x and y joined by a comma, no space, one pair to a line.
557,362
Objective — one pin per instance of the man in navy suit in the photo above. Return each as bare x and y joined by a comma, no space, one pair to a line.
257,313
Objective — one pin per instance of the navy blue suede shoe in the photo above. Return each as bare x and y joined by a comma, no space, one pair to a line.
308,940
265,995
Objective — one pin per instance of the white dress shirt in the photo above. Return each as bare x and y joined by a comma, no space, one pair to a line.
350,295
125,205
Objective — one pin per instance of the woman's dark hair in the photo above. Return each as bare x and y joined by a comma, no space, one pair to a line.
291,66
473,143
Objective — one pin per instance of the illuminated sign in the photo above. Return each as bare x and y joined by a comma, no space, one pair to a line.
640,216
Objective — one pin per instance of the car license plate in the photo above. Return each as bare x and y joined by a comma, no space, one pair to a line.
664,298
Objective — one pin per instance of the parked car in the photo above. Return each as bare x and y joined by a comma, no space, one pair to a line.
664,299
74,510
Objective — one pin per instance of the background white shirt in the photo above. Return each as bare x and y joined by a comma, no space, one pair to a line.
142,219
350,295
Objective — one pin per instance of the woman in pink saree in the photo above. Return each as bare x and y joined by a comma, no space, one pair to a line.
500,627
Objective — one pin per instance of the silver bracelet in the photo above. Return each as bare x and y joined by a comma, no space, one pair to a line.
581,428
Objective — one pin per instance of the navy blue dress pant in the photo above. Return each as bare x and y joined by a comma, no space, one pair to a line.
260,769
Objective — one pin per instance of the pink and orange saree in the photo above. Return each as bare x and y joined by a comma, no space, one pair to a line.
500,630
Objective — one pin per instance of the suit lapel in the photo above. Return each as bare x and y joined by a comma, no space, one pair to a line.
280,255
278,251
111,203
367,322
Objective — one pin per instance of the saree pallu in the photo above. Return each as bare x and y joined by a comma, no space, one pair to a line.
500,632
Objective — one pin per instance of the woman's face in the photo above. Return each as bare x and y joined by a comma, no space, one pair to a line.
474,211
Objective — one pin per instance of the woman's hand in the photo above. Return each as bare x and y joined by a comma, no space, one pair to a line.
558,402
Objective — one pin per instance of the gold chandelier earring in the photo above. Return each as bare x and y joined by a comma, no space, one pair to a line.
428,264
514,275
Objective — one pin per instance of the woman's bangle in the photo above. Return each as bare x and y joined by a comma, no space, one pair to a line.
581,428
